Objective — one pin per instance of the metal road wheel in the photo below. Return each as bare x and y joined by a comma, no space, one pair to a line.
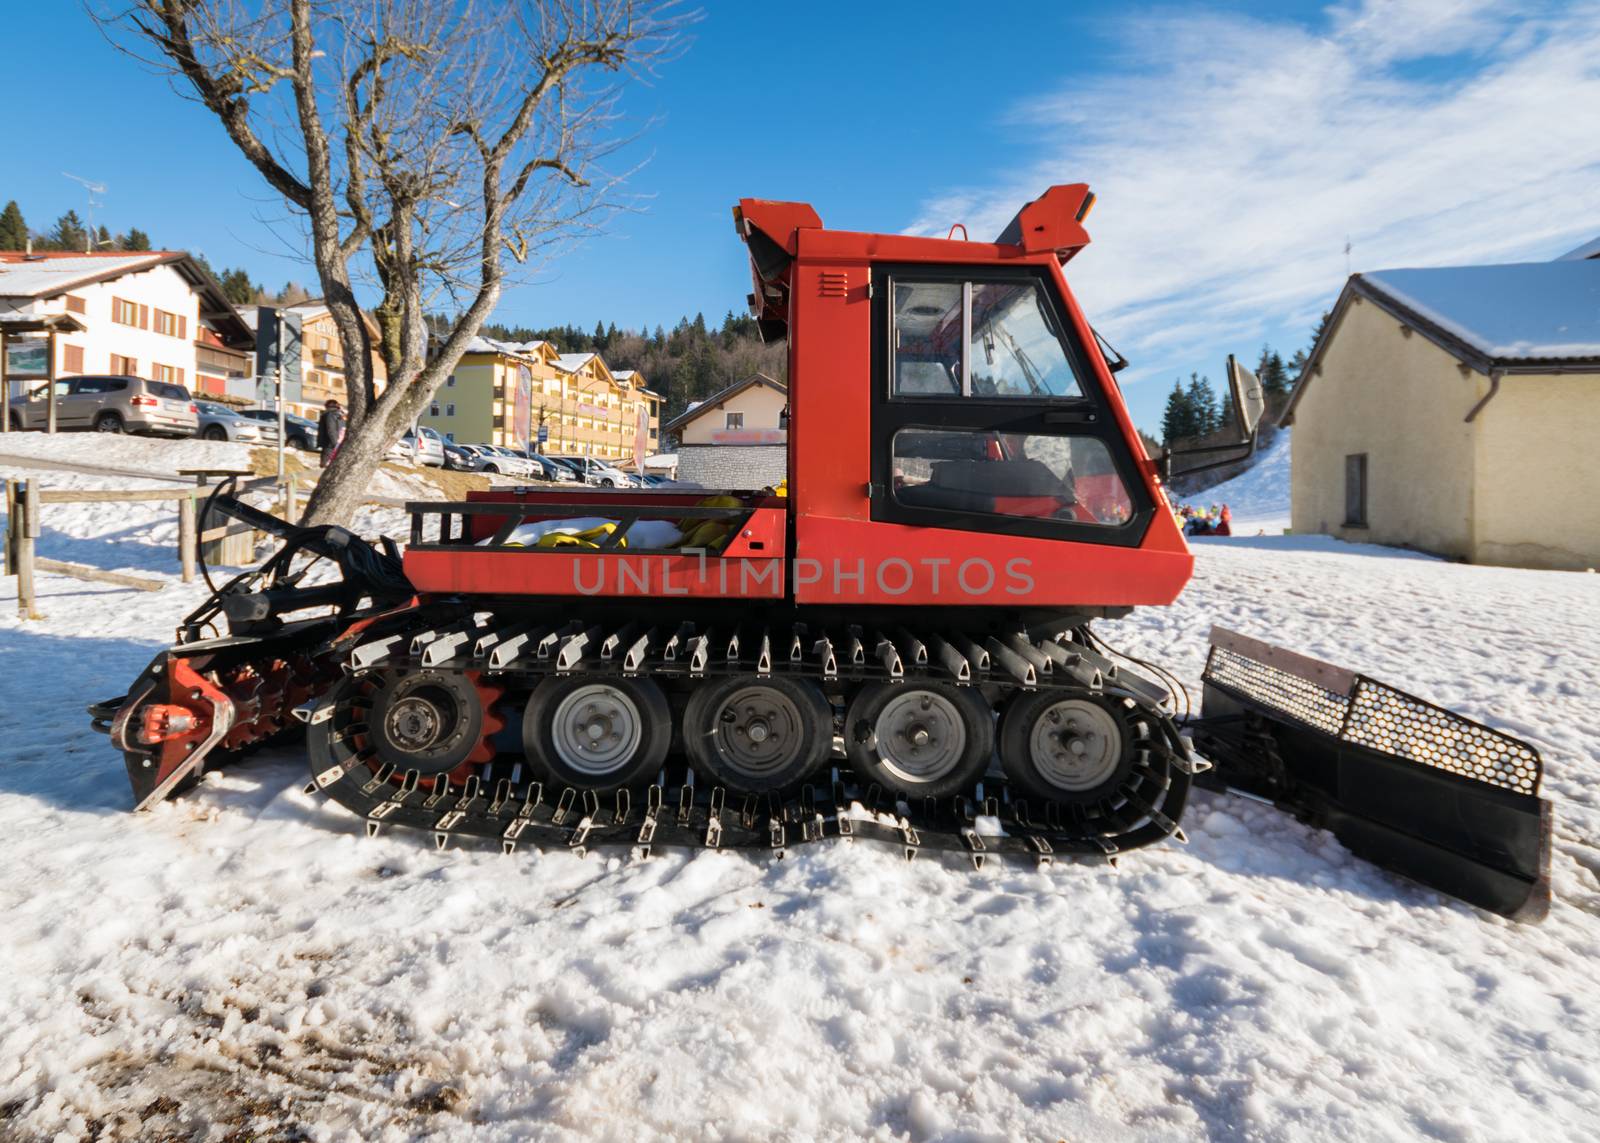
427,721
1066,748
755,735
923,739
108,423
215,433
597,735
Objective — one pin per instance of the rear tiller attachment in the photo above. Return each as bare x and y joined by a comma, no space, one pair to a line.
1411,787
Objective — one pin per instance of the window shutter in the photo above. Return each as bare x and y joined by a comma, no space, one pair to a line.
144,317
183,326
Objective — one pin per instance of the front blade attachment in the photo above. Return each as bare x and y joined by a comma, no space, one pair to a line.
1412,787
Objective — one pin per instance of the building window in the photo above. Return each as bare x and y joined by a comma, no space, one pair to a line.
450,381
1355,490
124,366
433,409
72,359
75,304
450,408
172,325
124,312
735,421
169,373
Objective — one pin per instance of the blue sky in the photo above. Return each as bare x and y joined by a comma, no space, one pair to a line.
1235,147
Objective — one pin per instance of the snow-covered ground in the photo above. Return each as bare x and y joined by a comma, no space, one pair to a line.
244,963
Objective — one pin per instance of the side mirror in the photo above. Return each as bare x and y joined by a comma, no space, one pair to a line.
1249,402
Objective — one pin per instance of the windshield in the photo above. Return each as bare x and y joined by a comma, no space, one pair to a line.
1016,349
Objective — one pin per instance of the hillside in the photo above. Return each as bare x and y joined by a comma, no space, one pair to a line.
1259,496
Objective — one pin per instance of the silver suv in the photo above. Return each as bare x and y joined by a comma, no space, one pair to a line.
111,405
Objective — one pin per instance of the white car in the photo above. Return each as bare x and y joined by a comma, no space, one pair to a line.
427,446
498,458
599,472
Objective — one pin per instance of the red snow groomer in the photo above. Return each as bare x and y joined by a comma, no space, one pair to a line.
894,645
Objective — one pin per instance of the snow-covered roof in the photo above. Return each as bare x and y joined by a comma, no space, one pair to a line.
1522,317
1589,249
481,344
47,274
1522,312
572,362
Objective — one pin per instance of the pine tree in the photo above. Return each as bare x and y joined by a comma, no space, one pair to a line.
13,230
238,288
1177,421
136,240
104,241
1273,375
1207,418
69,233
599,336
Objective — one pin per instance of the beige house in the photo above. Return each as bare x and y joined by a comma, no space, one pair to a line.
735,438
322,358
1457,411
749,412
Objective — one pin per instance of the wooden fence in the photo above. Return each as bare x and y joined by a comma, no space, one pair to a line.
221,541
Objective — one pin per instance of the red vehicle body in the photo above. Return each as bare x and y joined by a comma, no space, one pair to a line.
844,535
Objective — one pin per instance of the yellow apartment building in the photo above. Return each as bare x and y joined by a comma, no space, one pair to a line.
502,393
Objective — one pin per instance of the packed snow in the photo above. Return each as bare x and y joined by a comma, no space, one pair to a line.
1259,496
242,962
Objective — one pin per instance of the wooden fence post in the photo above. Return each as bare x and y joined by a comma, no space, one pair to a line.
188,539
10,555
28,503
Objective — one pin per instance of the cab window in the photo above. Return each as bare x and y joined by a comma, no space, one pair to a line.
1042,476
988,340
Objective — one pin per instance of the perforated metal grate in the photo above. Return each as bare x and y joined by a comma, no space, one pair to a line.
1382,718
1288,694
1396,723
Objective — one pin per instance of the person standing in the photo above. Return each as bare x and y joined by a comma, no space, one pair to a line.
330,431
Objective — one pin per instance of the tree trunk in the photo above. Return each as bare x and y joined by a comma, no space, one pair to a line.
344,484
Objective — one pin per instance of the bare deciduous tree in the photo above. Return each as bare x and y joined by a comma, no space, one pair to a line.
424,144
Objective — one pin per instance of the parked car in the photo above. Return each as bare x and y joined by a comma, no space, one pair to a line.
656,480
507,461
429,447
301,433
402,452
593,471
552,470
110,405
456,457
220,423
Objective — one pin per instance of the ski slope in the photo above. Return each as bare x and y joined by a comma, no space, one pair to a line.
243,962
1259,496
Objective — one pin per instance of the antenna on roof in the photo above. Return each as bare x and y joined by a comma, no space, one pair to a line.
94,189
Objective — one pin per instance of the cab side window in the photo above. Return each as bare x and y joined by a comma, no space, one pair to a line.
988,340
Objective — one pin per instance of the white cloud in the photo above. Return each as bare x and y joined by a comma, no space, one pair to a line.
1232,158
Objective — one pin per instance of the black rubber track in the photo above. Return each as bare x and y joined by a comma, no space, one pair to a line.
512,802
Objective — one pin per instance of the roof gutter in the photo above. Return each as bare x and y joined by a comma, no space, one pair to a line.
1494,387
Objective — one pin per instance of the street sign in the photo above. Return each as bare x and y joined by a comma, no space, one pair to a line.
544,434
